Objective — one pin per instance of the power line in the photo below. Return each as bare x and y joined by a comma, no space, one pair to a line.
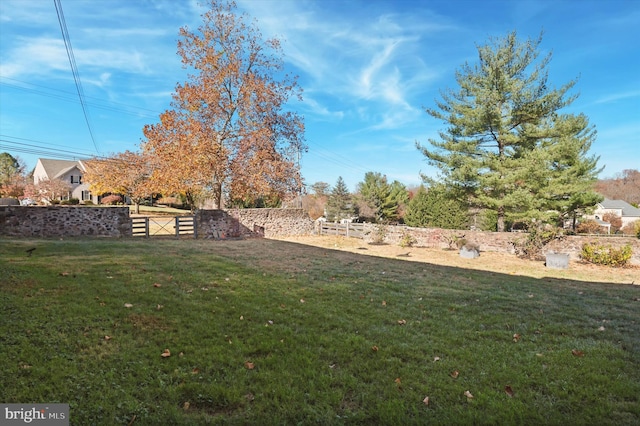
67,96
19,145
74,67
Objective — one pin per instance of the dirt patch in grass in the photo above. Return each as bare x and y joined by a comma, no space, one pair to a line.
488,261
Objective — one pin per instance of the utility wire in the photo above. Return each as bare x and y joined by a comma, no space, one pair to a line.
74,67
67,96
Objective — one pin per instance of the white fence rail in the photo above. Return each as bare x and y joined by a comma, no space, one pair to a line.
352,230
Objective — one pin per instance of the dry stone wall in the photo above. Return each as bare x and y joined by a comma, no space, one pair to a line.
64,221
501,242
253,223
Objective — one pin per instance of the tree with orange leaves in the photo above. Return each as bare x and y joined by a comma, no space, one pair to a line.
126,173
228,133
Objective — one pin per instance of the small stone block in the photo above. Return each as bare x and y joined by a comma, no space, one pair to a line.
557,260
469,253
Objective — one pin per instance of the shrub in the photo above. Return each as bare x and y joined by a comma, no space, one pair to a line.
614,220
589,226
70,202
407,240
87,203
606,255
54,202
111,199
378,234
632,228
454,241
538,237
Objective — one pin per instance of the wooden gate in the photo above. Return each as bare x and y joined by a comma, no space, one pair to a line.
176,226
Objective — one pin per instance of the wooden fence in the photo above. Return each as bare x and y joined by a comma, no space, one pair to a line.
164,226
352,230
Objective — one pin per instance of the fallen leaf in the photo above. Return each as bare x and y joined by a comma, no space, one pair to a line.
157,285
195,371
426,400
186,405
374,348
468,395
398,381
249,397
166,353
402,322
159,307
384,303
181,354
508,390
601,328
436,358
107,337
128,305
63,274
241,317
577,353
301,300
249,365
455,374
516,337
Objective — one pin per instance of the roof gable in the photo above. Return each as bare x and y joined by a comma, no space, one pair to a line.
627,209
56,168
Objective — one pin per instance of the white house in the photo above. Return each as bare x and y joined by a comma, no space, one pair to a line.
626,211
67,171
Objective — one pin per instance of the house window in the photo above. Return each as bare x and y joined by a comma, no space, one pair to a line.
86,195
76,179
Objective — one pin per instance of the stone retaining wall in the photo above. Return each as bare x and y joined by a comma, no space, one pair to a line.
501,242
251,223
64,221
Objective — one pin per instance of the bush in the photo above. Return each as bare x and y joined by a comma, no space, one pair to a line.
378,235
632,228
407,240
70,202
606,255
111,200
589,226
614,220
87,203
532,246
54,202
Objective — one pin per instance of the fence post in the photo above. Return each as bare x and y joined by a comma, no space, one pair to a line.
347,232
195,228
146,227
177,226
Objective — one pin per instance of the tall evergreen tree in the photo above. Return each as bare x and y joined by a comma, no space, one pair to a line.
507,148
340,203
438,208
382,197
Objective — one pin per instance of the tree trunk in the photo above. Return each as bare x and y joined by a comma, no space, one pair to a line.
218,196
501,219
137,207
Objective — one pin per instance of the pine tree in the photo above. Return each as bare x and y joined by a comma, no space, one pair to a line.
436,207
507,148
339,204
383,198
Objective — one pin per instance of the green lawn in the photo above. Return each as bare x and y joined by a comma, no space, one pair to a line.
268,332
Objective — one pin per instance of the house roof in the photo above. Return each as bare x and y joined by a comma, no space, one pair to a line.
627,209
56,168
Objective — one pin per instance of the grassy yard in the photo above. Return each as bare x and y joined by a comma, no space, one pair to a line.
271,332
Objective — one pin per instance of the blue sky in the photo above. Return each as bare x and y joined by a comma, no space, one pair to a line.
368,69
